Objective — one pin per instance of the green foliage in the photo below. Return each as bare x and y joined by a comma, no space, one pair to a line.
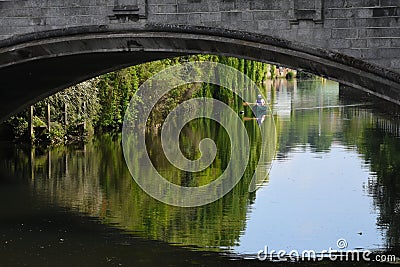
37,122
75,130
19,126
57,133
290,75
102,102
273,72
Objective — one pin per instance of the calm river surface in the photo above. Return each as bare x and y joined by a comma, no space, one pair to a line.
335,175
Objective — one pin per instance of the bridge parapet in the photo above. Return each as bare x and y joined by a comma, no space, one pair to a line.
367,30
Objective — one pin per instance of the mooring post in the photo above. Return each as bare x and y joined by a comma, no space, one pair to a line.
84,115
30,124
32,164
48,117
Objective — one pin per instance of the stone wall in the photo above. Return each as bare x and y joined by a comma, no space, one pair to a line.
365,29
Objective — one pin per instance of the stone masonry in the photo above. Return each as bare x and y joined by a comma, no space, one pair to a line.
365,29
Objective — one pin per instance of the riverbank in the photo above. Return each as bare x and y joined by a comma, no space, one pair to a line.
99,104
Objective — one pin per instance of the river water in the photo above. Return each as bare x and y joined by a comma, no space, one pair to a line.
334,176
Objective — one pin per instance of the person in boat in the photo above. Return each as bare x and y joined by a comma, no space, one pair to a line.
260,109
260,101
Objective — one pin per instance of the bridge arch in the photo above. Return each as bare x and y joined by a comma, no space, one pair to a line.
37,65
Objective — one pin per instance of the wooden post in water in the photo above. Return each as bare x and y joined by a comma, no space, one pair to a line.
65,115
30,124
84,115
32,164
48,117
66,166
49,164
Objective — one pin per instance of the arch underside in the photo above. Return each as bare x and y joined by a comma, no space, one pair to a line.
34,67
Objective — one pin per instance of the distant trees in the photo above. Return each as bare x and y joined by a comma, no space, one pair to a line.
100,103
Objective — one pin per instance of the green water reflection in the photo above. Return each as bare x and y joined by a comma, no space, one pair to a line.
312,122
94,179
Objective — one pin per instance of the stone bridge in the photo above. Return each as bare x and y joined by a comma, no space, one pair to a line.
47,45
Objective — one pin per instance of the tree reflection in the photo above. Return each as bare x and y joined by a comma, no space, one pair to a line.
93,178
